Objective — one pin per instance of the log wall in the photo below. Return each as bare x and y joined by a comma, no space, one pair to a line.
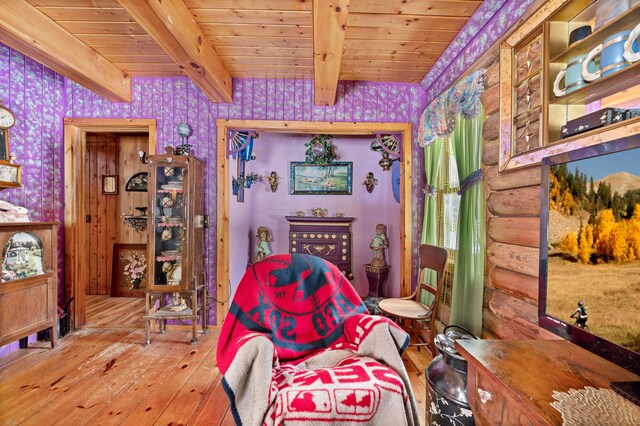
510,309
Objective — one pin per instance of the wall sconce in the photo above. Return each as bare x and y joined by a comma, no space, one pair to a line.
273,180
370,182
389,146
143,157
243,182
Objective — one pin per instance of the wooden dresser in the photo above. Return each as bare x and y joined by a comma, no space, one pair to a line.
325,237
29,287
511,382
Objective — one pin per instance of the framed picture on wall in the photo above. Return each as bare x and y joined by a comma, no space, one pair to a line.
130,270
333,178
10,175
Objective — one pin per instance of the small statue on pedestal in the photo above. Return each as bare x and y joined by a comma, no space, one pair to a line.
378,245
262,248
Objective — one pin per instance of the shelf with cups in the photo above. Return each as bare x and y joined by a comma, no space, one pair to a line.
586,88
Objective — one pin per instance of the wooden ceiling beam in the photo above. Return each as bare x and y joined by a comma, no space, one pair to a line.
31,32
173,27
329,24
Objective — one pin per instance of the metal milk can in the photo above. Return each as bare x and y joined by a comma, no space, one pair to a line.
447,378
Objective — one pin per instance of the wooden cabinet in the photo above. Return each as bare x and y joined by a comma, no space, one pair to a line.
29,287
325,237
538,52
512,382
176,241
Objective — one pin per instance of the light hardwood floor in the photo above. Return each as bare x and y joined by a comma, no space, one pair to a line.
103,374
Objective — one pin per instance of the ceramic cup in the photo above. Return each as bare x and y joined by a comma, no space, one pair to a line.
579,34
572,75
631,46
611,53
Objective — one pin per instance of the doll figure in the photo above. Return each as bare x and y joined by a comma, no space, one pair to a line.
378,245
262,248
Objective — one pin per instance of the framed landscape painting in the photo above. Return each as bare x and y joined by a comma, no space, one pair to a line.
334,178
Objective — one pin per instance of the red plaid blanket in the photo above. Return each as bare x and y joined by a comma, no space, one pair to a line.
299,347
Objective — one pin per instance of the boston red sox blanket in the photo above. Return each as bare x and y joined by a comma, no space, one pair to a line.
298,347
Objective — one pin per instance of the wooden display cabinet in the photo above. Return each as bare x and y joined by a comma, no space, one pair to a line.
176,242
29,287
531,115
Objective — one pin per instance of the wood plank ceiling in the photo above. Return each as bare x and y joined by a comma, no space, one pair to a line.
384,40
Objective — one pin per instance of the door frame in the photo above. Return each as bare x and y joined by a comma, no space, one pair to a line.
75,150
305,127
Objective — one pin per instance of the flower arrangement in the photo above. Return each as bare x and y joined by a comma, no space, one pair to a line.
135,267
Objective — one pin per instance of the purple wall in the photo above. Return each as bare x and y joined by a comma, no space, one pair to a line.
265,208
41,99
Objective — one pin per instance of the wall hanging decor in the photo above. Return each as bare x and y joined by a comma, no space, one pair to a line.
10,174
273,179
389,146
240,147
370,182
110,184
334,178
138,182
320,150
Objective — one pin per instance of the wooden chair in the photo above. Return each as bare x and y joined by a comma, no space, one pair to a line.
410,308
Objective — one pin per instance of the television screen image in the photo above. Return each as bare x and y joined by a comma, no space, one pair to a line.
593,243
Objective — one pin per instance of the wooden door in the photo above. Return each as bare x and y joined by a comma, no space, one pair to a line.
110,155
101,211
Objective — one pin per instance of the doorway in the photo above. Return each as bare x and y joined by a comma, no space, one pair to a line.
304,127
101,155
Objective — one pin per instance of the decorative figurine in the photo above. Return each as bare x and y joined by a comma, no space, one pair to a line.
378,245
184,130
262,248
273,180
318,212
177,303
370,182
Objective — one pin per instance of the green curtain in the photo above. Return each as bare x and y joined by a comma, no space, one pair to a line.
468,275
432,156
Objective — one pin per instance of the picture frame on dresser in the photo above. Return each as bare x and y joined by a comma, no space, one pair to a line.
330,179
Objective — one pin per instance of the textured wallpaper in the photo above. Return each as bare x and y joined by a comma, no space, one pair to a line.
41,99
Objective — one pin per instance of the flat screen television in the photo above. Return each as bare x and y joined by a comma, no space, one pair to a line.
589,289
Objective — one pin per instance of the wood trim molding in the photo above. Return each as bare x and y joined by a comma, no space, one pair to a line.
26,29
223,283
75,130
172,26
329,24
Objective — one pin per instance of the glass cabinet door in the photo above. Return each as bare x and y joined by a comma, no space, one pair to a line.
169,218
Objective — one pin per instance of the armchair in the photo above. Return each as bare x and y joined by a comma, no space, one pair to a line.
298,346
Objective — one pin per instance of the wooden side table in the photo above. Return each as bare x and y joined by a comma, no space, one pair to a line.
377,277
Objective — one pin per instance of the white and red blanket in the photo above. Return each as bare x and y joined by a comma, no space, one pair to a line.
298,347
